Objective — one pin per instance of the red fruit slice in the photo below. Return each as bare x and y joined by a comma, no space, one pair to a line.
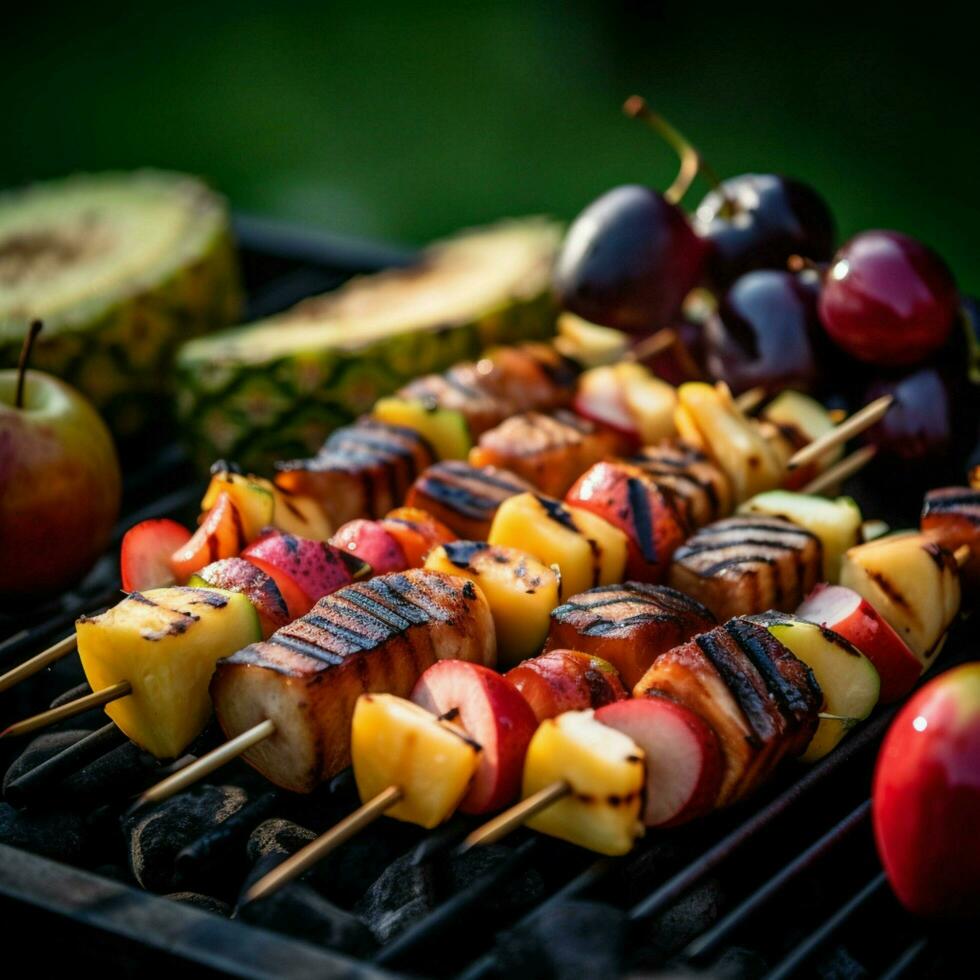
417,532
145,552
492,713
683,759
373,543
239,575
566,680
600,398
853,617
304,570
221,535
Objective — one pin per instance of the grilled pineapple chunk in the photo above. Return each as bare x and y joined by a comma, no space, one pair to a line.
649,400
837,523
164,643
913,582
395,742
708,418
444,429
520,589
605,771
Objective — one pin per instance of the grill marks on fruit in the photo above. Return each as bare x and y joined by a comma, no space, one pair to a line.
698,486
462,553
960,502
642,518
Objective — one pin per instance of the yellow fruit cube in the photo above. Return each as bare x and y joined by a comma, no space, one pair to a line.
521,592
396,743
650,401
164,643
605,771
587,550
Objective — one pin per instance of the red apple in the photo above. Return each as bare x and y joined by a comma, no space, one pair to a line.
146,551
494,714
566,680
373,543
853,617
599,398
59,483
240,575
926,797
683,758
417,531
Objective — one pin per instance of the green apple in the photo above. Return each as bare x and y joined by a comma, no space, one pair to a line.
59,483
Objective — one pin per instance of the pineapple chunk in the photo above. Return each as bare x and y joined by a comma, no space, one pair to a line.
708,417
394,742
912,582
520,589
650,401
587,550
165,643
805,419
837,523
444,429
588,343
605,770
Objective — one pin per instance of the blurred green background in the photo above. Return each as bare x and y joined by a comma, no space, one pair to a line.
408,120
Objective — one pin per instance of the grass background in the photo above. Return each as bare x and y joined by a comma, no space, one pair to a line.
408,120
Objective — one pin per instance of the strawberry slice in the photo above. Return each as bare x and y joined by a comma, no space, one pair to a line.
492,713
683,758
144,556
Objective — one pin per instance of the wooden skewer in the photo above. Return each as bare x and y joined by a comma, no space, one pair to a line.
206,764
841,470
750,400
316,850
508,821
29,668
857,423
94,700
650,346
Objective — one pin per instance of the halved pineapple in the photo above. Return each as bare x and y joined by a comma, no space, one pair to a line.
395,742
605,771
588,550
165,643
707,417
521,590
913,582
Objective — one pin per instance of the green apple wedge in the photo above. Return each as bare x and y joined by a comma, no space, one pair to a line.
837,523
849,681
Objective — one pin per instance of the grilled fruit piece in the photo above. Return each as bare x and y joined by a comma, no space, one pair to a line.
239,575
913,582
632,501
629,399
628,625
683,759
262,504
837,523
121,268
305,571
279,386
463,497
396,743
708,418
444,429
372,543
417,532
375,636
165,643
363,470
847,678
587,550
761,701
604,769
145,552
747,564
550,451
521,591
566,680
490,711
854,618
951,516
798,420
702,492
221,534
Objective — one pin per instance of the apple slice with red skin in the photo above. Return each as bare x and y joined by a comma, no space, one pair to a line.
925,800
304,570
683,759
241,575
849,615
221,534
373,543
566,680
145,553
417,531
493,714
599,398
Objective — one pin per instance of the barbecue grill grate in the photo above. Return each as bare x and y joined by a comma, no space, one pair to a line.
784,885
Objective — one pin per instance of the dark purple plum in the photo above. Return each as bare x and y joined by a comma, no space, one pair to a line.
918,426
757,221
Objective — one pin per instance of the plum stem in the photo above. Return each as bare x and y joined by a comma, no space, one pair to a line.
692,163
25,356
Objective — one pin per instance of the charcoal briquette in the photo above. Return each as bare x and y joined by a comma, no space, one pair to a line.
57,834
521,891
403,894
41,749
199,900
277,836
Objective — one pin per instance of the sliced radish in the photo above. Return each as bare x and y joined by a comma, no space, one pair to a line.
683,759
144,556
